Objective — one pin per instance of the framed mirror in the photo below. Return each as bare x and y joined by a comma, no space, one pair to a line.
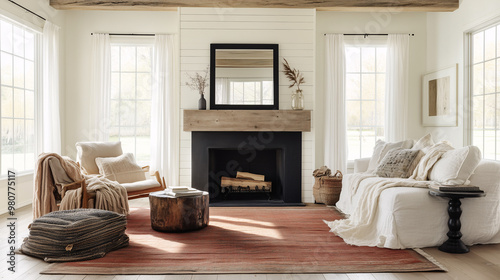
244,76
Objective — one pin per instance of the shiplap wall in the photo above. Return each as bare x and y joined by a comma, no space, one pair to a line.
292,29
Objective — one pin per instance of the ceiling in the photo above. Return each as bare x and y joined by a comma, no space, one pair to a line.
321,5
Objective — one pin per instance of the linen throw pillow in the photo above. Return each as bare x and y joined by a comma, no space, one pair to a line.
456,166
381,149
122,169
87,152
424,143
432,155
398,163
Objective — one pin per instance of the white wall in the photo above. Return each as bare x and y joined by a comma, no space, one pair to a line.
292,29
79,26
380,22
24,183
445,48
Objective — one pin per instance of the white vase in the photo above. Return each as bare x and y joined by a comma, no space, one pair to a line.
297,100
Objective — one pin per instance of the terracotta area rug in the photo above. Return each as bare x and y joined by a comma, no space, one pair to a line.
247,240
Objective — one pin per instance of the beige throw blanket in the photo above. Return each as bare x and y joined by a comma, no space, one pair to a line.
43,197
109,195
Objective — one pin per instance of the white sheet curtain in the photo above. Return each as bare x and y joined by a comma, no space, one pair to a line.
164,112
396,94
221,90
335,119
51,123
101,84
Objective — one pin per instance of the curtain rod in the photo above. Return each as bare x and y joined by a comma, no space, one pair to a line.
27,10
129,34
369,34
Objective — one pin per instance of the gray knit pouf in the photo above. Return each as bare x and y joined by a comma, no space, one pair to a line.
75,235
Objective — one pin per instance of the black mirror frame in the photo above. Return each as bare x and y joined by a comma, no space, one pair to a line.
274,47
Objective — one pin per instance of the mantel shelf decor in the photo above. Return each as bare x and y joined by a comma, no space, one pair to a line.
200,83
294,76
247,120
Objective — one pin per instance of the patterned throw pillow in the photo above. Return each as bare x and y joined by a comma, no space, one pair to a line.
398,163
380,150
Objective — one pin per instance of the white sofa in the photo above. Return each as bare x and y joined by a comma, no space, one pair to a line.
409,217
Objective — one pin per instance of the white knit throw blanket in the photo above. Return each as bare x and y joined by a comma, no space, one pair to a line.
361,227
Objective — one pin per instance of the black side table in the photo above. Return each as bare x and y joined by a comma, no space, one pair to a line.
454,244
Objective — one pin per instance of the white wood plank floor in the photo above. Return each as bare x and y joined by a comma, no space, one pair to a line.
483,262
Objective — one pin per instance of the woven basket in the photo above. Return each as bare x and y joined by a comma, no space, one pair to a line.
330,187
316,188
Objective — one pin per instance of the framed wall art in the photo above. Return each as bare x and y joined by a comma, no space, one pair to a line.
439,98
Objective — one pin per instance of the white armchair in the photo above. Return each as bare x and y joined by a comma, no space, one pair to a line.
108,160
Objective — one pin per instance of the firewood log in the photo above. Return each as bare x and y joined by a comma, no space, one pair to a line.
252,176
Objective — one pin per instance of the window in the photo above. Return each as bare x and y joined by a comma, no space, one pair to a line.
251,92
244,91
365,95
485,84
130,107
18,81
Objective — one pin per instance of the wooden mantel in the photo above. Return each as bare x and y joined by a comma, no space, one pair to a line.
322,5
247,120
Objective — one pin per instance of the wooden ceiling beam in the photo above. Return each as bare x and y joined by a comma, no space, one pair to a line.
322,5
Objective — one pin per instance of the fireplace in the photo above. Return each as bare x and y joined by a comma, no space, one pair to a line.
267,142
277,155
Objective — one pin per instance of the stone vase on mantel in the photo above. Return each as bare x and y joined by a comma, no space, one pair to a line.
202,103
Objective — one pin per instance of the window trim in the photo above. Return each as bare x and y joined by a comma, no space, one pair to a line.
37,85
38,28
468,75
467,98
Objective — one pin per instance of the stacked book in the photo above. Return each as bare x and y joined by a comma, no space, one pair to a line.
179,191
456,188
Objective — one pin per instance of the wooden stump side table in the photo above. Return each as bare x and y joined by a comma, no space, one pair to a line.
178,214
454,244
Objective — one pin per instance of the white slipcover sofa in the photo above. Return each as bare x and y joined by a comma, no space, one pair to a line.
408,217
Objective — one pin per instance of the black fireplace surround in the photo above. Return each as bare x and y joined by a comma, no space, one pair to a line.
277,155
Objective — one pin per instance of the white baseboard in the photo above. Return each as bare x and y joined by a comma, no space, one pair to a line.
19,205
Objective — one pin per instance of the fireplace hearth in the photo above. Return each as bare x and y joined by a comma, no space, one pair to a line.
276,155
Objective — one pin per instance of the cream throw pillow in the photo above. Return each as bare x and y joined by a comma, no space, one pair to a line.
381,149
122,169
424,143
87,152
456,166
432,155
